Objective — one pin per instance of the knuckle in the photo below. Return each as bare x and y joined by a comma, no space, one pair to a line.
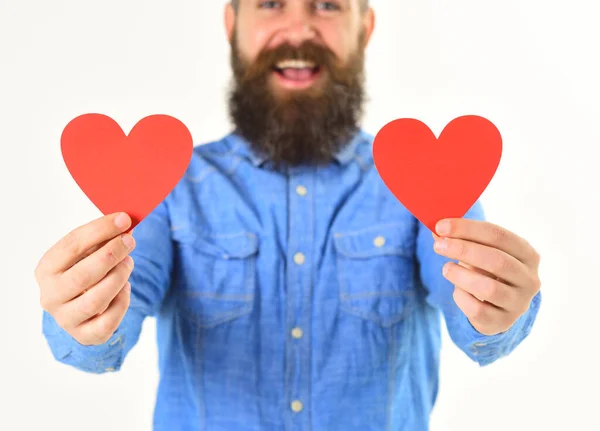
37,272
105,328
93,335
459,248
127,300
479,312
125,304
78,280
91,303
109,256
491,291
499,264
498,234
48,298
72,244
45,302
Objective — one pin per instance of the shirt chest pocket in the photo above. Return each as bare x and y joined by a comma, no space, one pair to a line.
216,275
375,268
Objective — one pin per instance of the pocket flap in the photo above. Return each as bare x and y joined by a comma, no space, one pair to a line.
226,246
385,239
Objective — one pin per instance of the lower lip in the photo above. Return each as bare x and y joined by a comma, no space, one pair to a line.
294,84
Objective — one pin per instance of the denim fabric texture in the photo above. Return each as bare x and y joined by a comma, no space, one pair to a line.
302,300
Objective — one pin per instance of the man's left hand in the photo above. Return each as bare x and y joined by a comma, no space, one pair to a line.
497,274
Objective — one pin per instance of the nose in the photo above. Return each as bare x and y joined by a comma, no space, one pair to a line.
299,33
296,33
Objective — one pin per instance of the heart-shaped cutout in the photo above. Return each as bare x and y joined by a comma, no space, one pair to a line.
129,173
438,178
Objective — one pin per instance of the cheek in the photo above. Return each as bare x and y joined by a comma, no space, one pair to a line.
341,43
254,37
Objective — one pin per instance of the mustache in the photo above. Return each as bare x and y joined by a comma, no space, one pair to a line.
320,55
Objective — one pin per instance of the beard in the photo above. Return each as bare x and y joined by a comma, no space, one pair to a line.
294,127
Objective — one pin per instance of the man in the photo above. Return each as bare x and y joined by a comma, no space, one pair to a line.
292,290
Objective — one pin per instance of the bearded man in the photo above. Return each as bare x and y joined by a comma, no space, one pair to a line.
292,290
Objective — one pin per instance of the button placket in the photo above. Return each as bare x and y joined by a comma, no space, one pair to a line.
300,246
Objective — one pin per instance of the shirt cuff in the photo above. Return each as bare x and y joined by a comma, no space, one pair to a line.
485,349
66,349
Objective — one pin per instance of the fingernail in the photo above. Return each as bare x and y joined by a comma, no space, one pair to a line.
441,244
445,269
129,261
128,241
122,221
443,227
127,287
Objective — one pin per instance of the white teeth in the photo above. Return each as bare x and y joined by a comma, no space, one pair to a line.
295,64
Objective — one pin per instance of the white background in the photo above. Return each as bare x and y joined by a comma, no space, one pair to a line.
529,66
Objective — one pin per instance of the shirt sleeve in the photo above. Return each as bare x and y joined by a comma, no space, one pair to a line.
481,348
149,280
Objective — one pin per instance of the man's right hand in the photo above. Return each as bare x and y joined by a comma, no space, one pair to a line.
83,279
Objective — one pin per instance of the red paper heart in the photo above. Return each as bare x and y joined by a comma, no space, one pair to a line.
438,178
131,173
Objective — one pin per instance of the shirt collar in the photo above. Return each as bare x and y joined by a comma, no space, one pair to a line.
240,146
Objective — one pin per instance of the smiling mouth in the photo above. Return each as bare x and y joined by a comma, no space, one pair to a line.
296,74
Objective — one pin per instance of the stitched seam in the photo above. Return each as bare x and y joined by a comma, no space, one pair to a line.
287,396
375,253
363,165
310,299
377,294
202,176
341,278
223,317
202,322
233,169
232,150
201,392
217,296
369,229
392,375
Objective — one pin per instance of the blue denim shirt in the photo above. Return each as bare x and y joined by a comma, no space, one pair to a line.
305,300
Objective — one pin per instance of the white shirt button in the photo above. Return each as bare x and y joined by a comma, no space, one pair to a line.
297,406
379,241
301,190
297,333
299,258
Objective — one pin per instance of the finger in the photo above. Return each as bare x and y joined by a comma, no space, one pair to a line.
481,286
489,259
95,267
479,271
491,235
91,250
97,298
99,329
70,249
485,317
